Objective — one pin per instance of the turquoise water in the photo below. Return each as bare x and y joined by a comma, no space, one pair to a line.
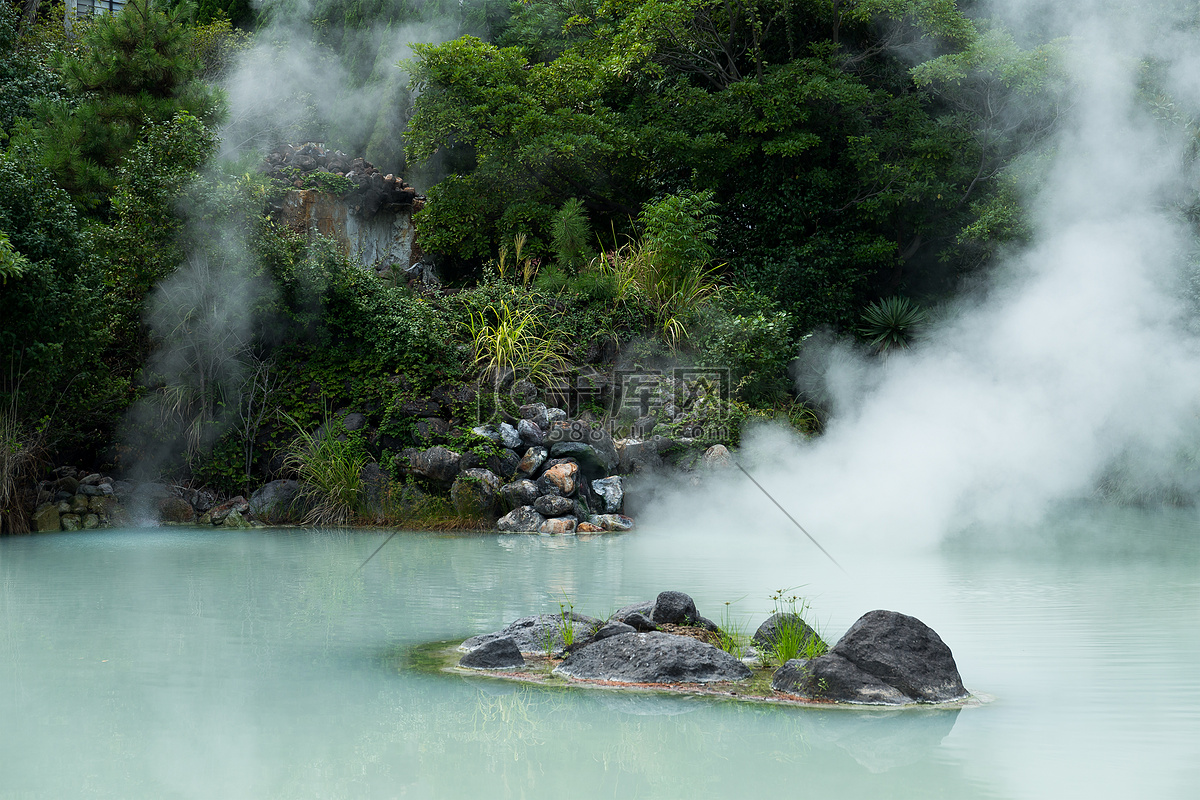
181,663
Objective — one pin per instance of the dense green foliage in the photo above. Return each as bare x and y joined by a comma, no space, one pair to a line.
649,183
840,173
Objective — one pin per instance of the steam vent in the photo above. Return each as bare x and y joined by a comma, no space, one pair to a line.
368,213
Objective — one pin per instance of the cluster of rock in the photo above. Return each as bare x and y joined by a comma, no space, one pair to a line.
372,189
74,501
546,474
886,658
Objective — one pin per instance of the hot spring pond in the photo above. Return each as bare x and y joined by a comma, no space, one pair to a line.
182,663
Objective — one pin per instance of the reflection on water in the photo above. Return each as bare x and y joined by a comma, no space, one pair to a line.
260,665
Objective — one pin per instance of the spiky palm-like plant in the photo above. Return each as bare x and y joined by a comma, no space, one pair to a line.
890,323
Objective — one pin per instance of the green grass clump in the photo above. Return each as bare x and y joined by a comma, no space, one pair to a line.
794,636
330,470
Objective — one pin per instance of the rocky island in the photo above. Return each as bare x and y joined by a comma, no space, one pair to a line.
885,658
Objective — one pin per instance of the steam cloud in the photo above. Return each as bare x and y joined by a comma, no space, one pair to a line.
1076,373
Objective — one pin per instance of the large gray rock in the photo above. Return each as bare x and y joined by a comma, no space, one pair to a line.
501,653
611,493
885,658
905,653
551,505
518,493
521,520
652,658
834,678
436,463
475,491
277,501
538,633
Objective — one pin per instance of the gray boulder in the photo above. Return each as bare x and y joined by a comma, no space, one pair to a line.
611,494
640,622
501,653
436,463
509,437
677,608
551,505
532,461
530,433
535,413
674,608
834,678
652,658
277,501
475,491
518,493
885,658
521,520
537,633
905,653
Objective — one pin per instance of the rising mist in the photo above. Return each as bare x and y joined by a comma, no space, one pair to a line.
1073,375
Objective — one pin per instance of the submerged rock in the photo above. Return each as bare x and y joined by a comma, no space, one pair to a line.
612,522
652,658
538,633
501,653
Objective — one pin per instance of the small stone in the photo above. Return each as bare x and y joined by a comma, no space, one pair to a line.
79,504
72,522
509,436
91,522
717,457
587,527
535,413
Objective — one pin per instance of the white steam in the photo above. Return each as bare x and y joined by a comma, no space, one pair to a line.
291,87
1077,371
